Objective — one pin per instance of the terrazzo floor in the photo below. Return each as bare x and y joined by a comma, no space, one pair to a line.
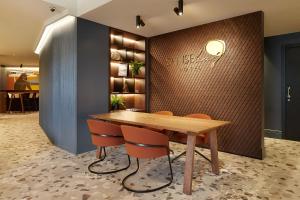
32,168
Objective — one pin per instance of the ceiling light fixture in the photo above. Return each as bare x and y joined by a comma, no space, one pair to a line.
139,22
52,9
179,10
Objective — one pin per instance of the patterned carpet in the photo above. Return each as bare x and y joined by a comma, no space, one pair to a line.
32,168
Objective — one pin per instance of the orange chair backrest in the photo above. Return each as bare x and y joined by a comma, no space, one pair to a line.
201,116
135,138
164,113
105,133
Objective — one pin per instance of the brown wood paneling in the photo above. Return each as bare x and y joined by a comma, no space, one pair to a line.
231,90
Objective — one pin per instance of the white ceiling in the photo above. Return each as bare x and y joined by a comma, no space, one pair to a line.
78,7
281,16
21,23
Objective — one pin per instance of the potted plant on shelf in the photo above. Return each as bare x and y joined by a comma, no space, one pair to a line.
117,102
135,67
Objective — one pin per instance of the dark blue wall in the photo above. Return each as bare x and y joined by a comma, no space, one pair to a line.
74,82
92,76
273,70
57,87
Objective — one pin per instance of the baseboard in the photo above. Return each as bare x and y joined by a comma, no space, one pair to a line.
273,133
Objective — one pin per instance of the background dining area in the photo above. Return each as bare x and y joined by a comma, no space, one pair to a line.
19,89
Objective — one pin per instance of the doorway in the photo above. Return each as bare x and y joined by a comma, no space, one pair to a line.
291,84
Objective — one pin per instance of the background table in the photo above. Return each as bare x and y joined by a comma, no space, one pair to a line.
4,95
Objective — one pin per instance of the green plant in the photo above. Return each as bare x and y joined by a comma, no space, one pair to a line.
135,67
117,102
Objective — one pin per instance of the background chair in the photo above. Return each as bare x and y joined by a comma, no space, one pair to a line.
32,102
164,113
15,102
105,134
22,101
182,138
143,143
168,113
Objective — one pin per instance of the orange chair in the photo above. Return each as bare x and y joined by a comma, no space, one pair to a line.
143,143
164,113
105,134
166,132
182,138
167,113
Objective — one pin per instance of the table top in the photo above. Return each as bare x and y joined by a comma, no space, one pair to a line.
186,125
20,91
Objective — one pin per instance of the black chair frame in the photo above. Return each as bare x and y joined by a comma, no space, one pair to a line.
138,167
103,158
197,152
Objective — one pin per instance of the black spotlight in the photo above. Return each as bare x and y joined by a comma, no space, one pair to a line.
21,65
179,10
139,22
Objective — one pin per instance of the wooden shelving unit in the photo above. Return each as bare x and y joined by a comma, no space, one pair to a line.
124,48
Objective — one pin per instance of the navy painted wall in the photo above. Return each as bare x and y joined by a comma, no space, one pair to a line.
74,78
92,76
273,69
57,87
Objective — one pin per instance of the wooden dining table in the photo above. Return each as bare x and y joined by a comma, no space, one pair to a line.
192,127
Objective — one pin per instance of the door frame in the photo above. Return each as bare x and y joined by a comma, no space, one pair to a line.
283,86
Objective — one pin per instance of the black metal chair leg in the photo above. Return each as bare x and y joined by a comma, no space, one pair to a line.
101,159
171,151
104,151
183,153
34,102
203,156
171,171
149,190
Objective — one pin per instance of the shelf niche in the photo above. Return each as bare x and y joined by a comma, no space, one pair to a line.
124,48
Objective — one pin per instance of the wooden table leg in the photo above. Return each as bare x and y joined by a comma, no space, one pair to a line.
213,141
189,165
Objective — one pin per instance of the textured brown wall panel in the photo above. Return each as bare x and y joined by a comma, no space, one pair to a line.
231,90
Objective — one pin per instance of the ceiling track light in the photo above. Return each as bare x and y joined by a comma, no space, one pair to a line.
179,10
139,22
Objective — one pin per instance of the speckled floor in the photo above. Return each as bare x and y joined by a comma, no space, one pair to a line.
32,168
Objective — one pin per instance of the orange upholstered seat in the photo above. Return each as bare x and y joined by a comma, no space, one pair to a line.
164,113
144,143
147,140
168,113
105,134
182,138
